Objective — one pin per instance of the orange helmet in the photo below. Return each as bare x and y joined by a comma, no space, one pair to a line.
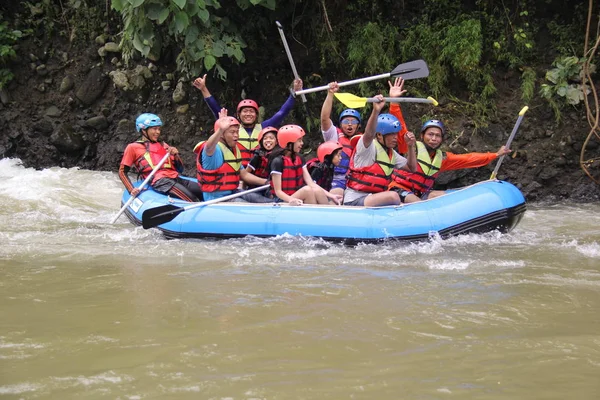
247,103
231,119
326,149
264,131
289,134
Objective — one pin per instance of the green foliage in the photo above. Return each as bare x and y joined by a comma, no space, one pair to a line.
528,78
202,38
8,39
565,80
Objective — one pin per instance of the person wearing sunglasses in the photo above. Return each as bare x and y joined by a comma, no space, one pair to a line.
349,125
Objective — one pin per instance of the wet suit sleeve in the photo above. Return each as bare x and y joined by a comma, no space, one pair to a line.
396,111
470,160
255,161
214,105
123,170
276,120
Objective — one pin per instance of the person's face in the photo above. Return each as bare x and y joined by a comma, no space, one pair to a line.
349,126
268,141
231,136
248,116
153,133
298,145
389,141
432,137
336,159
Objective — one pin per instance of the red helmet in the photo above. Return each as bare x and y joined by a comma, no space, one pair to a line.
264,131
289,134
326,149
354,140
231,119
247,103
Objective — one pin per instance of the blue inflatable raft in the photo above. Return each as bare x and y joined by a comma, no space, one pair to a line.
482,207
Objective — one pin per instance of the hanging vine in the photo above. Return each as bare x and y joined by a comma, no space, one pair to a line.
592,110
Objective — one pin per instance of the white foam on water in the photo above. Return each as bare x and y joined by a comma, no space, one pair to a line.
20,388
455,265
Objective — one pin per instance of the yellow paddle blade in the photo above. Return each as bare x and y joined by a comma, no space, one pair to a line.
350,100
433,101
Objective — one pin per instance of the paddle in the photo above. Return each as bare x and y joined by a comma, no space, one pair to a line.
159,215
509,141
353,101
289,54
410,70
141,187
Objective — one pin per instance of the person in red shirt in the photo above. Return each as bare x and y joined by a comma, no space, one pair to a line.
144,154
417,186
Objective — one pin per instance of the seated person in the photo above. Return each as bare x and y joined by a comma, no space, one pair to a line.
290,182
144,154
321,169
219,161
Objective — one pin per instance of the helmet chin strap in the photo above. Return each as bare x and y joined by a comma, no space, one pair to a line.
145,134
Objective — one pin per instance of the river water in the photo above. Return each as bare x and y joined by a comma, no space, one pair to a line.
94,310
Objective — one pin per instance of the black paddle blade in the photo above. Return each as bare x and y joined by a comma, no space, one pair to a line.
411,70
160,215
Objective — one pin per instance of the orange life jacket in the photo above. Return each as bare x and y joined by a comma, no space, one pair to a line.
226,177
421,181
291,177
155,152
376,177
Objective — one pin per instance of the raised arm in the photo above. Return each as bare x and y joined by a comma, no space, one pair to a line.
277,119
370,129
327,106
213,104
215,138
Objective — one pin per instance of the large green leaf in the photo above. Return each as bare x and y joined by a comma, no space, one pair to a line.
209,62
117,5
136,3
181,21
191,35
154,11
203,14
180,3
163,16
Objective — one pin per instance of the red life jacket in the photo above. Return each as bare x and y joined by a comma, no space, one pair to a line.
291,177
248,142
347,150
421,181
376,177
262,169
226,177
325,173
154,153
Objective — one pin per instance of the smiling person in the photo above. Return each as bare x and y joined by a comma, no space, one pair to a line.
247,113
417,186
374,159
219,160
144,154
290,180
349,125
259,164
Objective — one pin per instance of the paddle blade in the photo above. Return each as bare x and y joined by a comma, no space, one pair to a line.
160,215
350,100
411,70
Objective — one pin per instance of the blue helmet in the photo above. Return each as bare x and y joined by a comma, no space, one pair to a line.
434,123
146,120
387,123
350,113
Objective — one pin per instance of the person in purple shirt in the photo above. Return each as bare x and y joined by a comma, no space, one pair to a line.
247,114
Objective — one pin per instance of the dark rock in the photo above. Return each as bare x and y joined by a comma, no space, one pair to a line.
66,140
92,86
100,122
44,126
53,112
548,173
464,140
66,84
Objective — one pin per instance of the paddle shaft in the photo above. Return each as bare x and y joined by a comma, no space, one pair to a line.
400,100
347,83
510,139
142,186
289,55
225,198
